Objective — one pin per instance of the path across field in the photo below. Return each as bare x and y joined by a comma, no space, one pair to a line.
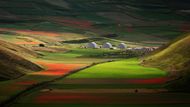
18,88
74,91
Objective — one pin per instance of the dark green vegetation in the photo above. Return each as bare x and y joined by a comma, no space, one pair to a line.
12,64
81,7
175,57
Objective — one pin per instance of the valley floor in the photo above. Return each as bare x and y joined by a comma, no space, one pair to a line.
110,82
78,90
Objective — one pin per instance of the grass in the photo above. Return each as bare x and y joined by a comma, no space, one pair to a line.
175,59
74,53
18,39
15,56
129,68
175,55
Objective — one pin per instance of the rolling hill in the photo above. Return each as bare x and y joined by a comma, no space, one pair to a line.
12,65
175,58
139,21
132,20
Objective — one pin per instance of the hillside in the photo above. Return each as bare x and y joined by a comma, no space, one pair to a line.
12,65
132,20
175,58
19,50
14,8
150,23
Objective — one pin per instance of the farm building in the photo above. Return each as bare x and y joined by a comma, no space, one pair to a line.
92,45
149,49
129,48
138,48
122,46
155,48
107,45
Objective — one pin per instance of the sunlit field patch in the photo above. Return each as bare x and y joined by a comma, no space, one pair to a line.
129,68
20,40
57,69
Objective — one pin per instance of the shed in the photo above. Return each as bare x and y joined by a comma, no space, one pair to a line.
138,48
122,46
92,45
107,45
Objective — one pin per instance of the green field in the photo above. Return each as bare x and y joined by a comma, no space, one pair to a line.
74,53
128,68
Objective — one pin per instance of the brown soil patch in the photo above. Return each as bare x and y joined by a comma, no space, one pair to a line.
103,91
94,98
116,81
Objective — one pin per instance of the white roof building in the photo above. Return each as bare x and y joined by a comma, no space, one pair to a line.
92,45
122,46
107,45
138,48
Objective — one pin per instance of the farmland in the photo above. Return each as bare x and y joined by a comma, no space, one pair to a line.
109,79
46,60
120,69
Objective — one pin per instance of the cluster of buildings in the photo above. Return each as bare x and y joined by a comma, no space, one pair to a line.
145,49
106,45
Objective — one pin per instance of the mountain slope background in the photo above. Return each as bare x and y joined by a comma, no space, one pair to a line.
175,59
157,20
12,65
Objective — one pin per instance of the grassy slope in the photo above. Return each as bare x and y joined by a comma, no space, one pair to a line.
18,39
19,50
45,7
175,58
12,65
120,69
140,14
